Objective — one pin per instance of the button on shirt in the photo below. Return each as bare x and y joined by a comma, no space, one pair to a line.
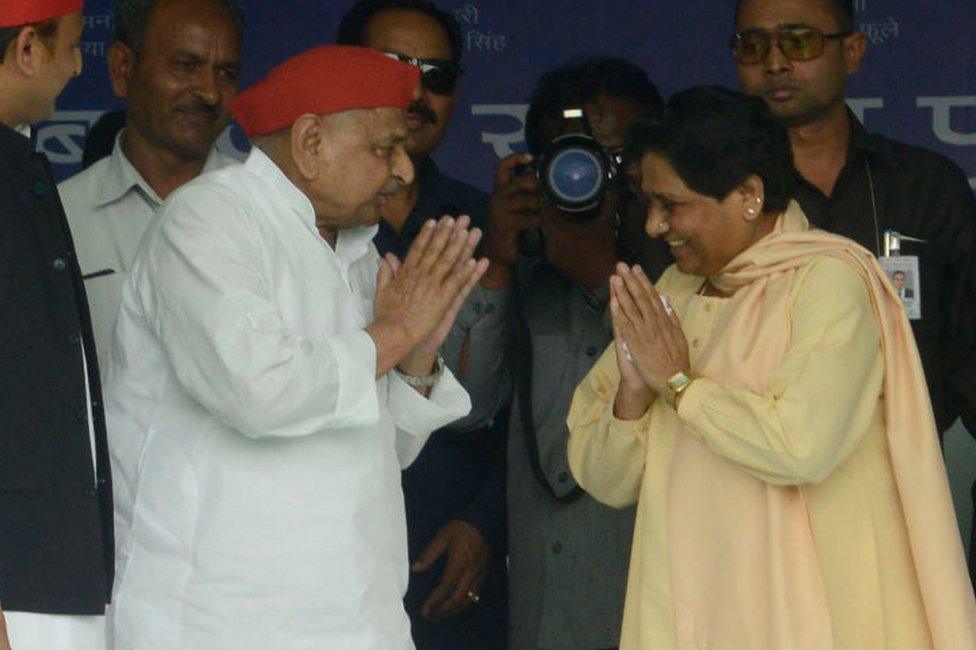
259,457
109,205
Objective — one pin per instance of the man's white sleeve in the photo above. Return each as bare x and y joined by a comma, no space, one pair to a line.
203,292
416,416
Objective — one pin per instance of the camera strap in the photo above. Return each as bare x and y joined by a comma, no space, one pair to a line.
523,372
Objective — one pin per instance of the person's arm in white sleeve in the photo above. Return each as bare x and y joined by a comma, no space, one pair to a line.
205,295
416,416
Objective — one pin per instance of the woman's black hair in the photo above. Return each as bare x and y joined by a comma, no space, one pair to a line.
715,138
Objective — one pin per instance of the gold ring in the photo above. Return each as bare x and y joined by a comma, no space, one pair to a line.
473,597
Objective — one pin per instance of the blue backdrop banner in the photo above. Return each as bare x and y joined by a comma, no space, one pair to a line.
917,84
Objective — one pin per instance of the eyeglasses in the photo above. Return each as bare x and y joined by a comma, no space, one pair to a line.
796,44
439,76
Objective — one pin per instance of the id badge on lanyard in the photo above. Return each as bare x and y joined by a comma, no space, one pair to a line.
903,272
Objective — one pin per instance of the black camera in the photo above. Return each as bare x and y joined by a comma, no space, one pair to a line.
574,170
575,173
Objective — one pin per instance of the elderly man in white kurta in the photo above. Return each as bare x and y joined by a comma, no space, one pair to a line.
270,384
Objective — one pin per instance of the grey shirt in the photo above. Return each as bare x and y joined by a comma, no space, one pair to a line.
567,562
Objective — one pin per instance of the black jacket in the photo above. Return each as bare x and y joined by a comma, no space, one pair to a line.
56,540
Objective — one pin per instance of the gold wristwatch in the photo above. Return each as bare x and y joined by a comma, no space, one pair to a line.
677,384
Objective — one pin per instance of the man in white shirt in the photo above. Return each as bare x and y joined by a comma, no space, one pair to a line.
176,63
270,384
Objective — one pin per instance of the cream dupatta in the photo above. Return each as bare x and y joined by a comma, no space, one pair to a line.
775,573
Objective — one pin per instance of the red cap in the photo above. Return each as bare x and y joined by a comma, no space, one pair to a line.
324,80
14,13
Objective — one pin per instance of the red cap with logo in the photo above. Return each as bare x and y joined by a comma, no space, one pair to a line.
14,13
324,80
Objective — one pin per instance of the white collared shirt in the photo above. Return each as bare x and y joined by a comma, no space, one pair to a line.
257,458
109,205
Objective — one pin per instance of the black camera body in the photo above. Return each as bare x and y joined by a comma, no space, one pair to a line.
574,171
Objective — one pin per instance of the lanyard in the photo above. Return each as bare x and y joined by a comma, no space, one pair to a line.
892,238
874,212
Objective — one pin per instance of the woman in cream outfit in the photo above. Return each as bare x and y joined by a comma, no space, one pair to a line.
765,407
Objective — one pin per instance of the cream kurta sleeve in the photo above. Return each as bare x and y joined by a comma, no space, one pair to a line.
817,403
606,455
205,292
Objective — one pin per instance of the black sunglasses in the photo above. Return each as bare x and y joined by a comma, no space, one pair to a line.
439,76
796,43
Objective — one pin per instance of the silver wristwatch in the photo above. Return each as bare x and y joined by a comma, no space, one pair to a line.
423,381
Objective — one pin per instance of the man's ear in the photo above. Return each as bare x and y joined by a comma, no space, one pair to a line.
853,50
121,63
306,144
28,51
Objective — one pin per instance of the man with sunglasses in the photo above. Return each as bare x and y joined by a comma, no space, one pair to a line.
455,490
796,54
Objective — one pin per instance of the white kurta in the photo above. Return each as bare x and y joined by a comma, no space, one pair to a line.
257,459
29,631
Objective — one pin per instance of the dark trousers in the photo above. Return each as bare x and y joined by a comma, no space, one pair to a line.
437,488
483,626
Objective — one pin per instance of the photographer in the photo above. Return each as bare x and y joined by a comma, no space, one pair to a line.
567,553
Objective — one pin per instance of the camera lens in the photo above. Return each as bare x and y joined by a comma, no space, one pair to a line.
575,175
574,172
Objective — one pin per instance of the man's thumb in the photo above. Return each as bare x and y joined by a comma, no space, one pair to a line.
433,551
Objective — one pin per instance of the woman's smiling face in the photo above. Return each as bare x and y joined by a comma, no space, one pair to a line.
704,233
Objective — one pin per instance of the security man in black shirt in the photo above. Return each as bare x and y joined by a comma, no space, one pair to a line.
56,539
796,56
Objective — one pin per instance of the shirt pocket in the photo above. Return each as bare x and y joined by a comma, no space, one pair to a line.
104,296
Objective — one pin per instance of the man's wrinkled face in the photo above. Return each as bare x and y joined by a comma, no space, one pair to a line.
898,279
797,92
418,35
178,85
61,60
362,161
